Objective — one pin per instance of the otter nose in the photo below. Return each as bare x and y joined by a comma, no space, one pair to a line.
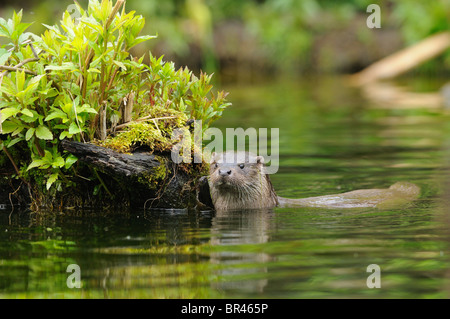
224,172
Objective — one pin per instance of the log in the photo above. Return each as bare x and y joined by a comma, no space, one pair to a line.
111,162
127,177
404,60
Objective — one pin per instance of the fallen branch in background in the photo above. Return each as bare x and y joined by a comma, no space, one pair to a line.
391,95
404,60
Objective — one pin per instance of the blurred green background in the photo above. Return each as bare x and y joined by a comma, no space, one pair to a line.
243,40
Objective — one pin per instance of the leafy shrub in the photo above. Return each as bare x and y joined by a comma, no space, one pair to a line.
78,81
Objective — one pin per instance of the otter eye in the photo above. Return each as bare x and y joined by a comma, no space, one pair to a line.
241,166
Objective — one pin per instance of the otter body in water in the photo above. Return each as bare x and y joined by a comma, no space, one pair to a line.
237,180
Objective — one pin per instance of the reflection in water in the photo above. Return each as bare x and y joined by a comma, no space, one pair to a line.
241,227
285,253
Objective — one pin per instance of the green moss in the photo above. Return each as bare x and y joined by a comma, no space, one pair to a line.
158,174
155,132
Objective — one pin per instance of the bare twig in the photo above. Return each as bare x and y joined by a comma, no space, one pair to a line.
103,122
15,165
26,61
11,160
111,80
15,69
34,52
102,182
145,118
12,204
156,124
115,9
18,66
128,107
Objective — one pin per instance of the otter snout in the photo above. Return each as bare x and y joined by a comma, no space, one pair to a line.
224,172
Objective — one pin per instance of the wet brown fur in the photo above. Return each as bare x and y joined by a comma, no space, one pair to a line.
237,181
238,188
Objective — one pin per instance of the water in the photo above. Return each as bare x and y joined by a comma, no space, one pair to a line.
331,140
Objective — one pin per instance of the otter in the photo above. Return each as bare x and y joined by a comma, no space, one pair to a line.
237,180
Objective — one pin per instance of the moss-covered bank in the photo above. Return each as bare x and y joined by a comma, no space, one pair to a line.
78,82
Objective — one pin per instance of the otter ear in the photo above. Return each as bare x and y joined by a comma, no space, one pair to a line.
260,159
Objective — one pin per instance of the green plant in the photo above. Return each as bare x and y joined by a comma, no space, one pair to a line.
79,81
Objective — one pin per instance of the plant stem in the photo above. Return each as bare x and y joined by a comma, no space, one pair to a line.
91,53
12,160
15,165
101,182
39,148
90,56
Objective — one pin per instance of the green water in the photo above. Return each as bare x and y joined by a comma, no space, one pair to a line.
331,140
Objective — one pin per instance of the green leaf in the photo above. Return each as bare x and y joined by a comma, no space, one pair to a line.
5,28
9,127
51,180
70,160
56,114
33,84
96,190
4,55
17,17
67,108
30,133
25,36
120,65
54,28
30,119
8,112
58,162
48,157
64,134
19,129
14,141
74,129
36,163
94,70
65,66
141,39
86,108
18,31
44,133
27,112
20,81
94,25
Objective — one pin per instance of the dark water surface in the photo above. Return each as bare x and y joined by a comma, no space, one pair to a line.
331,140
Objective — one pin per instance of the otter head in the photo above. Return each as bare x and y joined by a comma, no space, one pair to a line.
237,181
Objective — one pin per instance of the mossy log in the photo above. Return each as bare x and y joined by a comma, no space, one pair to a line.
141,179
106,179
113,163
